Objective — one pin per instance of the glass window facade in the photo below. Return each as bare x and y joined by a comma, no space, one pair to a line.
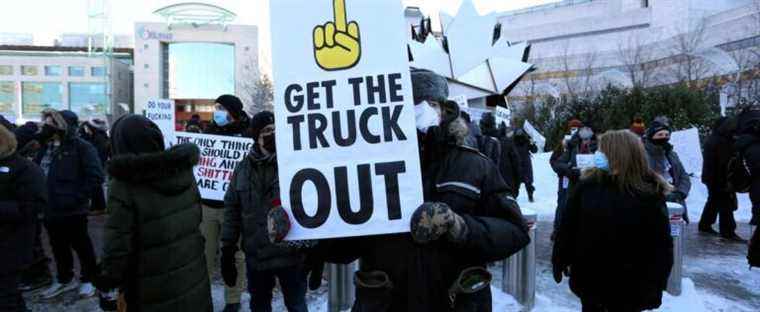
7,98
53,70
200,70
6,70
76,71
98,71
38,96
88,99
29,70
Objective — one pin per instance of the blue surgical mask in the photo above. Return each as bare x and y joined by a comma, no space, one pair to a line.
221,118
601,162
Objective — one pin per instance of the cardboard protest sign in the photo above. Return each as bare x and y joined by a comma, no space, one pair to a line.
161,112
686,145
219,156
346,138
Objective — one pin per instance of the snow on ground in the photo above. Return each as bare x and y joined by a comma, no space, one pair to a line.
716,275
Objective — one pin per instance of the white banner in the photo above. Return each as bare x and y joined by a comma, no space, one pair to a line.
219,156
686,145
162,113
346,139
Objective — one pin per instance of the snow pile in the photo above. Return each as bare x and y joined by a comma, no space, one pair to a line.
695,300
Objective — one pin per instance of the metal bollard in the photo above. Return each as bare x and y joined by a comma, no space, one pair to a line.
676,231
519,275
340,284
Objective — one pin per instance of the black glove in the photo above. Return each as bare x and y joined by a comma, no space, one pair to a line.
558,271
315,271
432,220
229,272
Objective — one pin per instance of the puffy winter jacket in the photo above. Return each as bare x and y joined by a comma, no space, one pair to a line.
153,247
681,180
74,174
247,201
616,244
420,276
22,196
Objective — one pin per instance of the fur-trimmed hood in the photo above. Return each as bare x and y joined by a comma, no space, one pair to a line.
165,170
7,142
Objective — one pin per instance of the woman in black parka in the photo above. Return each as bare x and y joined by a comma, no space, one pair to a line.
614,238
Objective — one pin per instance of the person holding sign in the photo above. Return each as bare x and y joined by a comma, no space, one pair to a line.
253,192
467,220
665,161
229,120
581,147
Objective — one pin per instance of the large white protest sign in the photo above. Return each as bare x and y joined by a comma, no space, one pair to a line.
161,112
686,144
535,135
219,156
346,138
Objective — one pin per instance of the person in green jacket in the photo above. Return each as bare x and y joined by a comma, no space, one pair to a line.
153,250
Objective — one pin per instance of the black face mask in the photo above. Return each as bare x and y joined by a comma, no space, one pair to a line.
268,143
661,142
46,133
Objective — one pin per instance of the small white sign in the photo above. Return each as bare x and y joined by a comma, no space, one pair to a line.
502,114
219,156
347,149
162,113
675,229
584,161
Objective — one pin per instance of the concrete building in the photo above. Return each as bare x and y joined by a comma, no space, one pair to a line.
82,40
33,78
192,60
573,39
16,39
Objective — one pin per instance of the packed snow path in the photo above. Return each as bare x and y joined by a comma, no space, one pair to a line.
716,273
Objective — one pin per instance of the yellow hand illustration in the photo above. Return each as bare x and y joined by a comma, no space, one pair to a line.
337,44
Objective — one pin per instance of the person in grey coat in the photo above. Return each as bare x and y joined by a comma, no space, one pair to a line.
665,161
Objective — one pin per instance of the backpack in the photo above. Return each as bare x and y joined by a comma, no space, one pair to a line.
739,177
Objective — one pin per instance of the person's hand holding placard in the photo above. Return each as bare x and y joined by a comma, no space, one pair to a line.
336,44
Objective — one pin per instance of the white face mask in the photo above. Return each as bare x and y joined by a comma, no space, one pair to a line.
426,116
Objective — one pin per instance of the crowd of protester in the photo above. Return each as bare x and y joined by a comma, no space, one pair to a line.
163,242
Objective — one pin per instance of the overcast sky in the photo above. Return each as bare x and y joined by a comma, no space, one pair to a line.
46,19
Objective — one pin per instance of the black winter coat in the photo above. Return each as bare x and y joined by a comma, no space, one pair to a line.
74,174
616,244
22,196
749,147
525,148
248,199
153,247
510,165
422,274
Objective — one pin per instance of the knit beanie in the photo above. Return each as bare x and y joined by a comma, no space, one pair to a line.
233,105
259,121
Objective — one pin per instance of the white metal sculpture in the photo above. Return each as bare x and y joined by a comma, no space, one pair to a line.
473,59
